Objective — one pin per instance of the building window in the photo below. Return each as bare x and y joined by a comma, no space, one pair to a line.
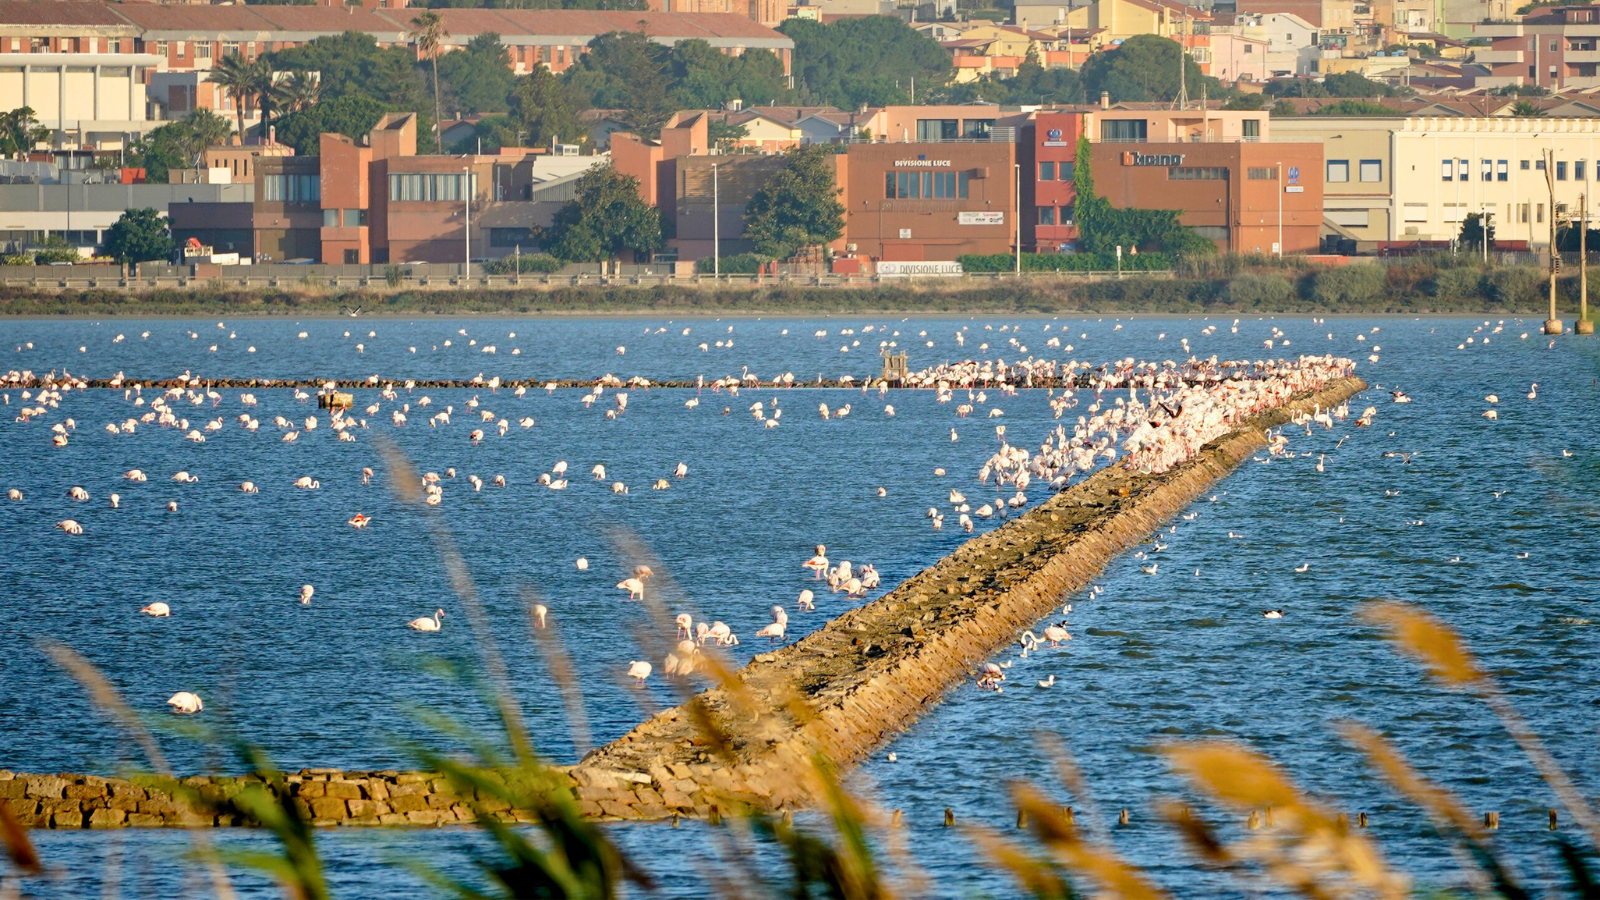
1338,170
977,129
1124,130
1486,171
1502,170
34,45
1252,127
330,218
1415,212
1578,171
1538,213
1249,48
1455,212
1064,170
355,218
1522,213
1525,165
161,48
1464,174
291,188
426,188
1537,164
1372,170
1047,171
1447,170
1197,173
930,130
1262,174
511,237
1561,170
1047,215
202,50
230,48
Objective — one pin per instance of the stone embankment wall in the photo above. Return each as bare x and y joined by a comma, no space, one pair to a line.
838,693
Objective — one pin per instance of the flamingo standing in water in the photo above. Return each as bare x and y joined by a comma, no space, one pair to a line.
185,704
157,610
818,563
306,591
639,670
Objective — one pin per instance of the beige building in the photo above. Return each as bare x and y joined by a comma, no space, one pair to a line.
1402,181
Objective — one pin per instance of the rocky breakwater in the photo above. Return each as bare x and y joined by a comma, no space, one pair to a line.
755,741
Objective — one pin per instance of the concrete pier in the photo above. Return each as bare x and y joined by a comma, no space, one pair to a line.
840,692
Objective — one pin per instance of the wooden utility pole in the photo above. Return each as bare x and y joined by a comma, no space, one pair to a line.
1552,325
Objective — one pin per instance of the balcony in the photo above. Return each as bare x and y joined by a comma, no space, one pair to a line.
1499,57
1574,57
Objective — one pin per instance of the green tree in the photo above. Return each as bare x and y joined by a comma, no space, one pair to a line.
1143,69
703,77
428,31
1526,109
1102,228
139,235
605,219
478,78
724,136
178,145
297,92
626,70
798,209
250,83
351,116
871,60
353,65
19,131
1354,107
1472,231
545,110
55,250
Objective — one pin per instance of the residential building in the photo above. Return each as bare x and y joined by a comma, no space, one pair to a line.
1323,15
1118,20
1553,48
1236,57
1409,181
1460,18
1291,42
833,10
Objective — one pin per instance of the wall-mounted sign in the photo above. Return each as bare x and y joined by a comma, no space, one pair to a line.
1294,174
905,234
1294,189
1131,158
919,268
922,163
981,218
1052,138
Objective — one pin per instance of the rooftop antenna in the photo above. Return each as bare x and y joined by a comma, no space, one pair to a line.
1182,101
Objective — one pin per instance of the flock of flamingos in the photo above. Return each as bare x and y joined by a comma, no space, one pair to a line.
1147,416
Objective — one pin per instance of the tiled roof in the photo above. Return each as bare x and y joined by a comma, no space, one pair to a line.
57,12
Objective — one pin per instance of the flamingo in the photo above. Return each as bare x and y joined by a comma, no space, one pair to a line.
807,600
818,563
184,703
540,611
685,623
306,591
70,526
427,623
583,564
158,610
634,587
359,520
249,487
78,493
307,483
639,670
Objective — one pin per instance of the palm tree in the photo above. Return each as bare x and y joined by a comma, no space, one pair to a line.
246,81
206,129
297,91
428,31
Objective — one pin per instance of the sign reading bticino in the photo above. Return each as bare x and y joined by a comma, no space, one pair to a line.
922,163
981,218
1132,158
919,268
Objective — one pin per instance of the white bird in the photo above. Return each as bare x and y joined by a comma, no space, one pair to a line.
427,623
306,591
1048,682
185,704
1273,614
158,610
305,482
634,587
1303,568
583,564
639,670
70,526
1150,569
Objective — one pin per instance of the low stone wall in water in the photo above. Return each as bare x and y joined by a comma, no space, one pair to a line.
839,692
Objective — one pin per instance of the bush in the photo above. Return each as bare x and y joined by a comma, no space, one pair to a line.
735,264
55,250
16,259
1347,284
394,274
1065,262
1514,285
1264,291
1457,284
538,263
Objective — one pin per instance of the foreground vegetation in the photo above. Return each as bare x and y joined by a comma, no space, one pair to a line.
1229,285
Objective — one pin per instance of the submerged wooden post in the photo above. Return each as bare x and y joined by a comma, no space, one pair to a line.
949,817
1552,820
1491,821
1123,818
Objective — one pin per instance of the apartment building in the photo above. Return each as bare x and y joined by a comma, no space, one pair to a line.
1554,48
1400,182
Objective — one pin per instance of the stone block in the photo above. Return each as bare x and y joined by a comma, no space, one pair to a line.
44,786
344,790
393,818
411,778
312,789
376,790
13,788
407,803
327,808
359,807
71,817
143,820
427,816
128,789
408,788
84,792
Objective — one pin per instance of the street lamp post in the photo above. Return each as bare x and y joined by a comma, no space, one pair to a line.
1017,225
466,192
1552,325
1279,183
716,225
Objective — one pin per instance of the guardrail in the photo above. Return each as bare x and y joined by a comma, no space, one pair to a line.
527,282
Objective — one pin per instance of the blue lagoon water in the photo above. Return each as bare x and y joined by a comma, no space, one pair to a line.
1181,654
